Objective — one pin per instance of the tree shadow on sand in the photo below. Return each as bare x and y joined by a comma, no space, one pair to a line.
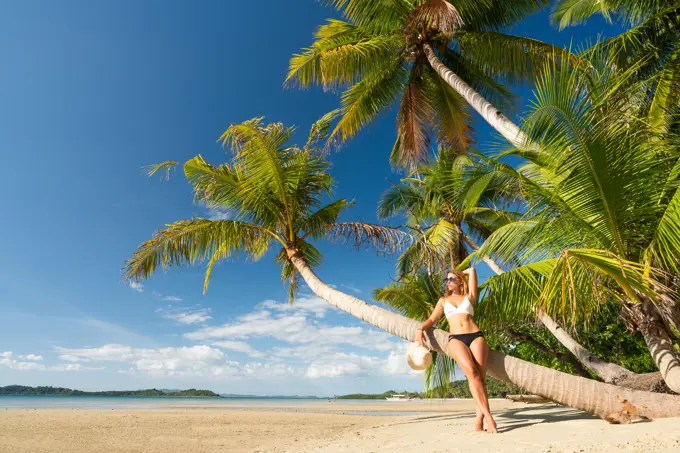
511,419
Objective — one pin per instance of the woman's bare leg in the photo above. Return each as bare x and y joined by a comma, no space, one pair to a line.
465,360
480,353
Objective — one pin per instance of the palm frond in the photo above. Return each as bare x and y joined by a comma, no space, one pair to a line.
665,245
314,225
363,101
514,241
452,119
402,199
429,249
321,127
415,296
350,63
514,59
415,114
440,373
186,242
259,152
388,14
165,167
573,12
382,239
665,97
496,14
305,67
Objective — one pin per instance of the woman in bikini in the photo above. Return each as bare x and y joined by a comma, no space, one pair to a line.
466,342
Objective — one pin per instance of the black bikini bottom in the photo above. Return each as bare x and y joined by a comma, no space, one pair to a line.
467,338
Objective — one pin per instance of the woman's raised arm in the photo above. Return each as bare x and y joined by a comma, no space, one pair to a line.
472,283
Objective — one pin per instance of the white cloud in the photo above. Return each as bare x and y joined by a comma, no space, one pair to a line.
294,327
68,367
156,294
254,325
188,317
311,348
315,347
238,346
137,286
181,361
344,364
73,358
9,361
173,298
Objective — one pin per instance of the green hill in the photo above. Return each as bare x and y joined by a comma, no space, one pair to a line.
24,390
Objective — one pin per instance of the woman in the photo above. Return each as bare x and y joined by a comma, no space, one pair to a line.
466,342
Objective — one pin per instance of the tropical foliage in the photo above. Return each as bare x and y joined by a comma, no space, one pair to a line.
376,57
650,46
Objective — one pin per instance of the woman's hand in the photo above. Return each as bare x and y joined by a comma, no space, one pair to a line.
419,338
469,271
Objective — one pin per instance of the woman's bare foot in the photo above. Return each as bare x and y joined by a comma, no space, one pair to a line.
491,428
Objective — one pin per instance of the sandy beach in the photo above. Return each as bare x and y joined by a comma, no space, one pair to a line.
432,427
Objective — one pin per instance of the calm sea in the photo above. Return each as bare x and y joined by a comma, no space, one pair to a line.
139,402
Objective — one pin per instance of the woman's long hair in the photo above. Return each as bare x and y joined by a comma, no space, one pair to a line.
461,281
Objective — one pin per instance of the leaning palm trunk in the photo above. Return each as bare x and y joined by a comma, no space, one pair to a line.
610,373
649,322
491,114
585,394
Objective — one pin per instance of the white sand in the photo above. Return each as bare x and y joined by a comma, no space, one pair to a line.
446,427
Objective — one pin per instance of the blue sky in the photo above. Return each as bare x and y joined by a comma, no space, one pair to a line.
92,91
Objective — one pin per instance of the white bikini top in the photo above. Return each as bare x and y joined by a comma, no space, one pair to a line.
465,307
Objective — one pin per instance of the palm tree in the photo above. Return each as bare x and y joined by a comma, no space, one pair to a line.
602,214
440,206
436,55
442,202
273,190
650,46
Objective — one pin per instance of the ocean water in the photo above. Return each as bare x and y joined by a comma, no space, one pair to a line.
140,402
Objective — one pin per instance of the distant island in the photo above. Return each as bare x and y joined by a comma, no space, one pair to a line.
285,397
456,389
60,391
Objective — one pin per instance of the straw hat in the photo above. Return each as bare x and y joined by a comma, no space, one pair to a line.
418,357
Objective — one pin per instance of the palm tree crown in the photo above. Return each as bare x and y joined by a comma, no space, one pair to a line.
377,54
273,192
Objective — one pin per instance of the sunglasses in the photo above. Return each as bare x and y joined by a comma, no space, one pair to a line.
450,279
